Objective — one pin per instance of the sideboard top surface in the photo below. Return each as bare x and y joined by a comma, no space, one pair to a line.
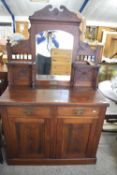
54,96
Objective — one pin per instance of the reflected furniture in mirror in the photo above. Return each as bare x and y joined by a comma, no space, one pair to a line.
54,52
56,120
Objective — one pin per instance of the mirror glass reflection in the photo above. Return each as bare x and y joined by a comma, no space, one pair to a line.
53,54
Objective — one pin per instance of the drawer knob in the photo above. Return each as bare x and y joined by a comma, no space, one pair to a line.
79,111
28,111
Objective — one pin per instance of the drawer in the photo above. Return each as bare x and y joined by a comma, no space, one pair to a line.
61,66
78,111
60,73
24,111
61,53
59,60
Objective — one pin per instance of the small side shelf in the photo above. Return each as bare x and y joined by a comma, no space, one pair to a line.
21,73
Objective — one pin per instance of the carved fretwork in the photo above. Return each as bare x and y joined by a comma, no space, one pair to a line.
54,14
85,50
22,47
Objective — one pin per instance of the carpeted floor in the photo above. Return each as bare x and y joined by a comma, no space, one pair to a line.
106,163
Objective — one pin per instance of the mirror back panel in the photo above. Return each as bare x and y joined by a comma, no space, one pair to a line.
22,58
24,53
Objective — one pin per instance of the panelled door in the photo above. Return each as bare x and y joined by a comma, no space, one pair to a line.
30,137
75,137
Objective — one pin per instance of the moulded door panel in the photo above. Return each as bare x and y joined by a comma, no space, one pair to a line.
75,137
30,137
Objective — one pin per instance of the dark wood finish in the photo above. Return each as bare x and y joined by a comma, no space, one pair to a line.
45,128
76,136
30,136
21,73
42,20
84,75
52,124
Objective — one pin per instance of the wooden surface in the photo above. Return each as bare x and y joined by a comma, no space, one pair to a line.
52,126
101,29
61,60
84,75
46,19
22,27
56,95
111,45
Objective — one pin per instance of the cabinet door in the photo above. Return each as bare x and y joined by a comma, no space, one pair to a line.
75,137
30,137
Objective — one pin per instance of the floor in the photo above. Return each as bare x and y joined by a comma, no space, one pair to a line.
106,163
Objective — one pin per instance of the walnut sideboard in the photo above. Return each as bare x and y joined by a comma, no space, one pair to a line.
52,126
52,121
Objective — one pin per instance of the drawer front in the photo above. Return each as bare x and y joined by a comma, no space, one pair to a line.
78,111
61,53
60,73
61,67
29,111
59,60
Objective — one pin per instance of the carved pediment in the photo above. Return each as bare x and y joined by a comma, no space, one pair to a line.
55,14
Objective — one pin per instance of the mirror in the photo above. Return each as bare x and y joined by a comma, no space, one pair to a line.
48,20
53,54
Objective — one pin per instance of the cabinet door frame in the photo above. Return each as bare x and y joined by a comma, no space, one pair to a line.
62,122
44,123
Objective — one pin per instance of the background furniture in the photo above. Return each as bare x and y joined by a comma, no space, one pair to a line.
3,78
108,92
3,85
61,61
58,122
107,71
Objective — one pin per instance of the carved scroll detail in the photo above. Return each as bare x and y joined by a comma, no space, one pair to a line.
50,13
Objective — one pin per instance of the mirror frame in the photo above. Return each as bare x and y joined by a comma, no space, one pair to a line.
50,18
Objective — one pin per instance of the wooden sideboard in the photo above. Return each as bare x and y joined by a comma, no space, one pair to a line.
52,126
52,122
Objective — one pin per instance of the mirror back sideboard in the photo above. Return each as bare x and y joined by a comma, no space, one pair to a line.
50,121
22,58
